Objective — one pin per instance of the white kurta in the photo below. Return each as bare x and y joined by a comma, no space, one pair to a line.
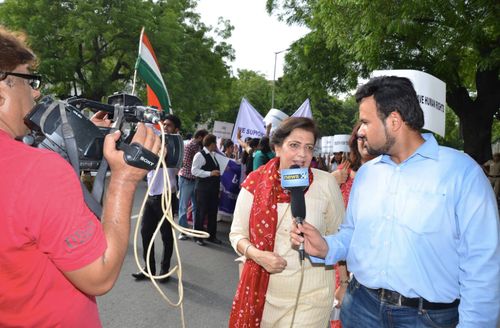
325,211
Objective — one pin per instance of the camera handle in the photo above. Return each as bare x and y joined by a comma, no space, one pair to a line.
136,155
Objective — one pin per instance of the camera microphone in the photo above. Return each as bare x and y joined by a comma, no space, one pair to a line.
296,180
150,117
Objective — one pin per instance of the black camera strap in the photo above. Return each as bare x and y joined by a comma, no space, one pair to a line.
72,151
98,187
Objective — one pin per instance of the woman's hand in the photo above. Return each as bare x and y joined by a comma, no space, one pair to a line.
342,174
271,262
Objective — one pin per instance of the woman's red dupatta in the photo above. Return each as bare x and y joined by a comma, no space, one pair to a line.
265,185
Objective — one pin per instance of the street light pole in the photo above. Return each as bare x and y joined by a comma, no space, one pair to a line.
274,75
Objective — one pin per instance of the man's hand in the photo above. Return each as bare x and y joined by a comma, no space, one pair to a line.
121,170
215,173
101,119
314,244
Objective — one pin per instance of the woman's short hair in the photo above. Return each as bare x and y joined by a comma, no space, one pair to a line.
14,51
287,126
209,139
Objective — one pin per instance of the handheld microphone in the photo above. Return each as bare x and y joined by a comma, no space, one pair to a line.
296,180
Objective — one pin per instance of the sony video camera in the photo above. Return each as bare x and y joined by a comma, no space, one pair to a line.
57,123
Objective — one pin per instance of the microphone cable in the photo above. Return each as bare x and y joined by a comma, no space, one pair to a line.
166,203
301,261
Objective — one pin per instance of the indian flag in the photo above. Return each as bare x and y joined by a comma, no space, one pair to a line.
148,69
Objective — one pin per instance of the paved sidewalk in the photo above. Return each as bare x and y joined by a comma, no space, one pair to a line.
210,277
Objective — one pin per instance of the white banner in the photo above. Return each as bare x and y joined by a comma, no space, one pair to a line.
304,110
329,144
274,117
222,160
431,93
249,121
341,143
223,129
324,145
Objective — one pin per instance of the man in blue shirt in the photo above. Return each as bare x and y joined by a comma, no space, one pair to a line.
421,232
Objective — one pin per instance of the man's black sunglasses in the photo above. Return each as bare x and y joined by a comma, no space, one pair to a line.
33,80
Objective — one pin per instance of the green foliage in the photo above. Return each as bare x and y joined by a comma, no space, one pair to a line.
254,87
85,47
453,136
456,41
495,131
89,48
334,116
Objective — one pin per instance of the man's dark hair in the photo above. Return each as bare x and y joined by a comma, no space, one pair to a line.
253,143
13,51
174,119
200,133
264,145
393,93
287,126
209,139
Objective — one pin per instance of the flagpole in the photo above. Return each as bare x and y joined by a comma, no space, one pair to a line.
135,66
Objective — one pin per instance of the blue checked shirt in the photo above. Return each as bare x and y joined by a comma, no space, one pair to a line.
427,227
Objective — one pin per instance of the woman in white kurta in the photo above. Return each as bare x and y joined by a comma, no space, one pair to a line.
256,212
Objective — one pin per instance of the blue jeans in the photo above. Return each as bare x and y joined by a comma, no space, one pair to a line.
186,193
361,308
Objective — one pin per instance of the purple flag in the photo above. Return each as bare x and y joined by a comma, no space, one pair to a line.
230,187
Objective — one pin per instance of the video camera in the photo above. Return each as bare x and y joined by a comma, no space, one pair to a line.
60,126
46,120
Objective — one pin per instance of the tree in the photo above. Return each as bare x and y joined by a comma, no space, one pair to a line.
84,47
254,87
89,48
332,115
456,41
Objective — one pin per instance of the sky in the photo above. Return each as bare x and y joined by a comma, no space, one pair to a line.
256,35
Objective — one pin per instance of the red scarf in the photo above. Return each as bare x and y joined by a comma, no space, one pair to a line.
265,185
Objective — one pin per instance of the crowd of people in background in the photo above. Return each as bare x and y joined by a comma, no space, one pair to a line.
411,227
199,188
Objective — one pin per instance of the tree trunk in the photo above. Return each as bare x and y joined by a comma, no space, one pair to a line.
476,131
476,116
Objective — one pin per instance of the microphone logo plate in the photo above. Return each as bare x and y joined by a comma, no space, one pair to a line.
291,178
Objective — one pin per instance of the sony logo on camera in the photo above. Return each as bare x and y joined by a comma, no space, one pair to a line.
147,161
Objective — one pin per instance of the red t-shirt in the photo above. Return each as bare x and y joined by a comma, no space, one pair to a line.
46,229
